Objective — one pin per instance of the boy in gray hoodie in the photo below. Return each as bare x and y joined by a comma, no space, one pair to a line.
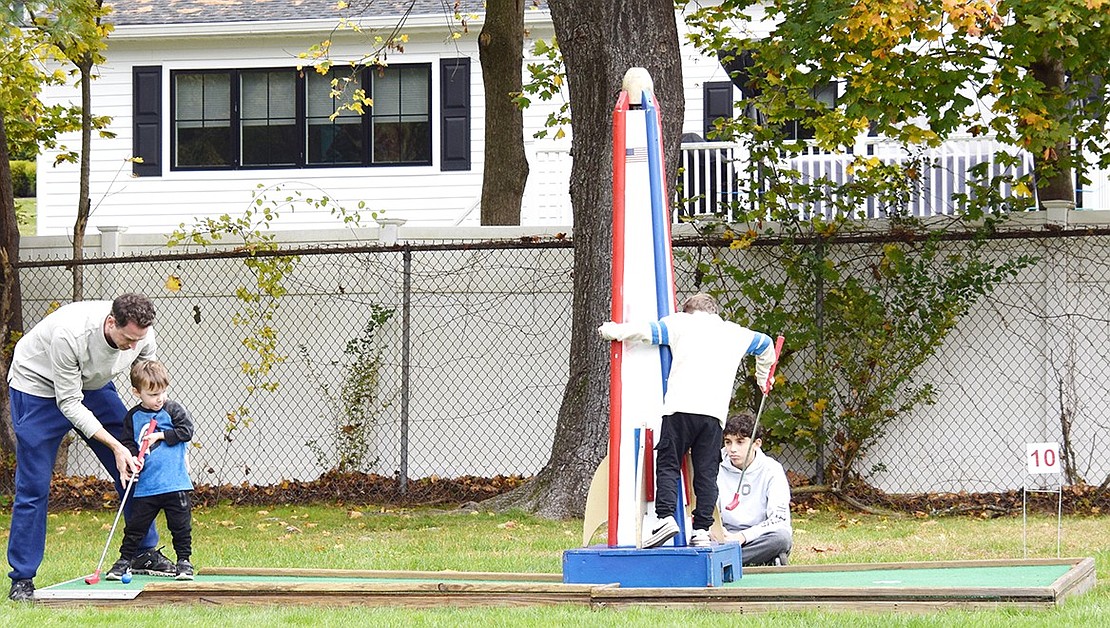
761,522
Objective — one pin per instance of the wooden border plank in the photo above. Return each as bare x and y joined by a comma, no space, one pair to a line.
381,573
427,589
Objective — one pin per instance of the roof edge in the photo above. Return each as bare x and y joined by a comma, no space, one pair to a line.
422,23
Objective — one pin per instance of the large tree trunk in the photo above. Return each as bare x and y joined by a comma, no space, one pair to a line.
501,51
11,309
600,40
1053,171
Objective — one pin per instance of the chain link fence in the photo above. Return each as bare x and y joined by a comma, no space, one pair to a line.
428,360
1026,364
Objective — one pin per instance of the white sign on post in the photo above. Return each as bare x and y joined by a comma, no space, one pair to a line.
1042,458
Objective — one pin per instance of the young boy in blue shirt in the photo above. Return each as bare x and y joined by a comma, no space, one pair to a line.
163,483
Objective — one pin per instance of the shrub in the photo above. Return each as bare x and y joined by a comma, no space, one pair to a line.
23,178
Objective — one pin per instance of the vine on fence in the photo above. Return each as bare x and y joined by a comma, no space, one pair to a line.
260,299
353,409
866,321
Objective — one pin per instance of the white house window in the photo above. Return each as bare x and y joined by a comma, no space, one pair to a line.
202,128
338,141
268,119
802,129
282,118
402,116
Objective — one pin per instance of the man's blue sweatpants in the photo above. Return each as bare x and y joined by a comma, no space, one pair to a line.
39,429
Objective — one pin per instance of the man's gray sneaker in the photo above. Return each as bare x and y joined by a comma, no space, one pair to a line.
22,590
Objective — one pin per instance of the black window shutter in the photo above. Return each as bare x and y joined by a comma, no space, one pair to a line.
716,103
146,116
454,82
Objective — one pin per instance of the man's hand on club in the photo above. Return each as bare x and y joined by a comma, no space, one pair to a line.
127,464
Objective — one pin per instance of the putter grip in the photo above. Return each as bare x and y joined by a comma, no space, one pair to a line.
150,427
778,352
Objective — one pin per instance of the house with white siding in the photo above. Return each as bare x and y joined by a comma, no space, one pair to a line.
211,96
218,101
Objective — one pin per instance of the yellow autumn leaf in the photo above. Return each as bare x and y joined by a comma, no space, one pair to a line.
173,283
1030,118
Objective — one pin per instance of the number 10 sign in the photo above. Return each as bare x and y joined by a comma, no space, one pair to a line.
1042,458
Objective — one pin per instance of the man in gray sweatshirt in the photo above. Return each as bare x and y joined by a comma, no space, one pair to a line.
61,379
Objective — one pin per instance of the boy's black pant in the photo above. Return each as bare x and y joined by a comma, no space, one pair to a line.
179,519
702,435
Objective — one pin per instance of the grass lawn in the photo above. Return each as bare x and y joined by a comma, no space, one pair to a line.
385,538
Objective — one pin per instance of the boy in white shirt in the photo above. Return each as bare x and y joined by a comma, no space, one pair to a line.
706,353
761,521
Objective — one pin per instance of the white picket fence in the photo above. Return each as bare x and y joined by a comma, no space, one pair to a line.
712,170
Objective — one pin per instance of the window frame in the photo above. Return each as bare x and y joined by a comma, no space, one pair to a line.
301,116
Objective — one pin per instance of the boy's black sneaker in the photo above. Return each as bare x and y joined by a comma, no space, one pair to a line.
665,531
184,570
22,590
119,568
153,563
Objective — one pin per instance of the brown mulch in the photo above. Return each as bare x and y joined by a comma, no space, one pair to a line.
84,493
87,493
1077,499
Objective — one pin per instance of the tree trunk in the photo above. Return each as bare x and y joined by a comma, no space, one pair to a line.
505,172
1052,170
85,65
600,40
11,307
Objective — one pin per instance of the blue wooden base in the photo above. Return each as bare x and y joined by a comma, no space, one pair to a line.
658,567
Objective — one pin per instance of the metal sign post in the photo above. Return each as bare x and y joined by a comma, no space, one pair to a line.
1041,459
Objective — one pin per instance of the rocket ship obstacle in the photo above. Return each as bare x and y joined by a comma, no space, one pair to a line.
643,289
622,490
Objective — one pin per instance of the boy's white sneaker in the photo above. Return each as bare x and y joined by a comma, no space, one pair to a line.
663,532
700,538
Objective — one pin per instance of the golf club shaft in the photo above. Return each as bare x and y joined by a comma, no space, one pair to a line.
144,445
751,442
755,424
108,543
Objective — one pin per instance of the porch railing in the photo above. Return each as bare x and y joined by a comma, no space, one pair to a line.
710,179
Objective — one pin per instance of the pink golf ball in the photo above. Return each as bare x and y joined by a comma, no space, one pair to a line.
125,578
